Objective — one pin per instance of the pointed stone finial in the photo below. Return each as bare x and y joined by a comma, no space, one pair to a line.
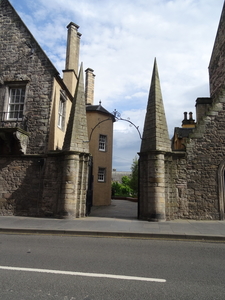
155,135
76,132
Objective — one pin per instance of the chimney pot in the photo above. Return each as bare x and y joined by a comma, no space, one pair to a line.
70,74
73,47
73,24
89,86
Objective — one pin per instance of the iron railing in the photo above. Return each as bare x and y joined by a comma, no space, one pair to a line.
13,119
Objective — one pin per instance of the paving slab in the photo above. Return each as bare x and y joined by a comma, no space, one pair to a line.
116,220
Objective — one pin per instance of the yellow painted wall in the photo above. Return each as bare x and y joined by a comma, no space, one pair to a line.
101,190
57,135
102,159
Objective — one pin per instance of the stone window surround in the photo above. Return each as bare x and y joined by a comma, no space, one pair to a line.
12,85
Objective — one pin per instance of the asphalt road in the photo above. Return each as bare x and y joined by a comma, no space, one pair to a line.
56,267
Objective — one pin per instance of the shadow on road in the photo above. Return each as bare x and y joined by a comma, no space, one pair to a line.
121,209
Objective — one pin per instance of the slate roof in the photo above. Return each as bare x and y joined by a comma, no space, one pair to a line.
182,132
99,108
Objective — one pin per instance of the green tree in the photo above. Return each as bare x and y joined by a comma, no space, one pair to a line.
122,189
126,180
134,176
129,185
125,188
116,187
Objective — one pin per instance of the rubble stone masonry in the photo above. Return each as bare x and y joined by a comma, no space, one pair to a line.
31,185
205,153
217,62
25,63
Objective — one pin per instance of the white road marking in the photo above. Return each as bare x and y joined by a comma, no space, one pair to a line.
82,274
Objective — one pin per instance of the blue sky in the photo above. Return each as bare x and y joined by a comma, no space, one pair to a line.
120,40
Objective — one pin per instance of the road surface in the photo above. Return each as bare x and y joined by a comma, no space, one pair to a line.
66,267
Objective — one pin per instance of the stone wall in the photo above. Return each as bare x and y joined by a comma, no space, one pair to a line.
30,185
217,62
20,189
52,170
205,152
192,178
176,186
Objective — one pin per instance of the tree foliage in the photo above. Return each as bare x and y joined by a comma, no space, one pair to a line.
122,189
134,176
129,185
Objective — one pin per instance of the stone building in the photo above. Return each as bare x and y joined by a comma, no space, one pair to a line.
44,144
184,178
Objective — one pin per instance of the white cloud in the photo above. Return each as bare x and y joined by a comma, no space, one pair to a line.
120,41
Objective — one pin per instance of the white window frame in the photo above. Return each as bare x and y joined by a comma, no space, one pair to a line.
16,102
62,112
102,142
101,174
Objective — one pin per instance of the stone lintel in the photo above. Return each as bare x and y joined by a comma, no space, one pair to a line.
175,154
153,152
14,129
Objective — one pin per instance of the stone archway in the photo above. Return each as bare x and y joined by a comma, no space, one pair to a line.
221,189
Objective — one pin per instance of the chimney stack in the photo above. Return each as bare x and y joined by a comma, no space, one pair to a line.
188,123
202,106
70,74
89,86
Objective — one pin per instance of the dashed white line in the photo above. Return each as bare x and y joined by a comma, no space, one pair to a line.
98,275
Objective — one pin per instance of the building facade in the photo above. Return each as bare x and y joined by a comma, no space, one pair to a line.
100,134
100,130
184,178
44,149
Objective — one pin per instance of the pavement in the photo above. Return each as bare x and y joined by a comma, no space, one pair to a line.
117,220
